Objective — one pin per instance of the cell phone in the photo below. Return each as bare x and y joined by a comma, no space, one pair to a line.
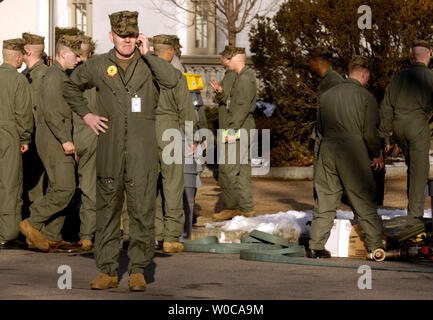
139,43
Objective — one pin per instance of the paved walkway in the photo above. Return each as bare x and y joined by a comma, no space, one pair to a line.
196,276
33,275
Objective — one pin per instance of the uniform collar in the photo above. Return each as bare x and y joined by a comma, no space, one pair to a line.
113,58
8,66
354,81
58,66
244,69
418,64
37,64
328,71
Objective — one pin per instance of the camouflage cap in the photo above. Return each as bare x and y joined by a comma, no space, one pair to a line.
85,39
14,44
176,41
33,39
124,23
72,42
225,52
421,43
167,39
230,51
360,61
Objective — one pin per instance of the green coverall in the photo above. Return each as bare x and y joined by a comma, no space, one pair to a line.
16,127
127,154
34,171
174,108
330,79
348,122
228,199
85,141
54,127
407,103
241,105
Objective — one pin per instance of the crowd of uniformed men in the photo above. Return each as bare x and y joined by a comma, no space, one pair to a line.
99,121
350,132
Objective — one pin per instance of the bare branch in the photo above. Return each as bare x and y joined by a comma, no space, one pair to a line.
229,16
248,7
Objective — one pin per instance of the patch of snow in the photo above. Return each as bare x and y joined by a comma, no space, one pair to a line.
295,220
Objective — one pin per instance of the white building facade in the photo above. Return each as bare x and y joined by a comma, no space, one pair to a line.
199,37
91,16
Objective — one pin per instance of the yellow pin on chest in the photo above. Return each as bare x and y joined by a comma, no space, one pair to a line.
112,71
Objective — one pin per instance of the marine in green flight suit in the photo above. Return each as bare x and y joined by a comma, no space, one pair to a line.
348,122
56,149
407,103
34,171
128,81
242,97
319,64
222,93
16,127
174,109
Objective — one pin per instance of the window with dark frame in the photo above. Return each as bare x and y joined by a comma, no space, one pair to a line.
201,24
80,8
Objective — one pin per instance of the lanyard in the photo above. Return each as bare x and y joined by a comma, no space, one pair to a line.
125,84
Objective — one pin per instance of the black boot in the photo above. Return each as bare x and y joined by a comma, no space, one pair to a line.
318,254
13,245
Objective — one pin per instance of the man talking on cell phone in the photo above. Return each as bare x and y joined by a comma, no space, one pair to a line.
127,79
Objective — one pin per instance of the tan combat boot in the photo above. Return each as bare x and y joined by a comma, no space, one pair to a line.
249,214
172,247
30,244
225,215
103,282
137,282
34,236
86,245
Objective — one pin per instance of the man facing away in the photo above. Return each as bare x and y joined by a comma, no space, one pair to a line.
408,100
348,123
16,127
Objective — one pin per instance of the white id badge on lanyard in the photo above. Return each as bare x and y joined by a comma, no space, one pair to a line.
136,104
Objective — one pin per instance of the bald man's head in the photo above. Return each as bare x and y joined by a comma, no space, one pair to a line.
421,54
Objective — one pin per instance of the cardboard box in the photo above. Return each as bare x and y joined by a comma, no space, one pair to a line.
357,248
338,241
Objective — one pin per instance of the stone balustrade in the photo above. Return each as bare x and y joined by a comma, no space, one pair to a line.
209,66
